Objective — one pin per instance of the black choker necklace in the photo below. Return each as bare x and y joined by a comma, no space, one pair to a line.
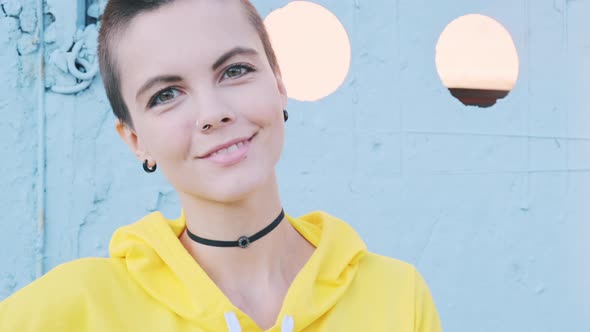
243,241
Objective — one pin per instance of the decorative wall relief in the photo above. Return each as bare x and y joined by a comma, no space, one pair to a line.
72,69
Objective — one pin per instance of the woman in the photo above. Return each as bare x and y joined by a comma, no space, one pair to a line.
198,94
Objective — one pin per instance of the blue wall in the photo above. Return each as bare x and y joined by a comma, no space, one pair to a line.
490,204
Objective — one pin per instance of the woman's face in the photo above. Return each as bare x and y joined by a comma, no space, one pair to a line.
195,78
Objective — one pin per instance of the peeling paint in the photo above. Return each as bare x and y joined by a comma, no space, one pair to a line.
102,191
50,34
8,283
9,30
28,19
11,7
27,44
96,8
164,200
16,32
17,143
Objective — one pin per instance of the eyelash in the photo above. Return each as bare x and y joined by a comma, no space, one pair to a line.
153,101
239,65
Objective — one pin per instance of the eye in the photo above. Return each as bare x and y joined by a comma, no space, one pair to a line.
236,71
163,96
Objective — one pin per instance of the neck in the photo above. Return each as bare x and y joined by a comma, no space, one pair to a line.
228,222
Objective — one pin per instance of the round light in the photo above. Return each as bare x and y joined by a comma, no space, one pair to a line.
312,48
476,52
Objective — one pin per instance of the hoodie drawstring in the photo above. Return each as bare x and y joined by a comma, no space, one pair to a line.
288,324
233,324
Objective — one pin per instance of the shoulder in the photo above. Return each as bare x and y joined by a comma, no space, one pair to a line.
62,292
79,274
392,276
391,271
89,267
395,270
72,278
387,264
404,287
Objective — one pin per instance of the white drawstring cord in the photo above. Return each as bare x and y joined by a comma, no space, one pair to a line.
233,324
288,324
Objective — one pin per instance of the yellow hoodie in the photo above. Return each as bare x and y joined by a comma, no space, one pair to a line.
151,283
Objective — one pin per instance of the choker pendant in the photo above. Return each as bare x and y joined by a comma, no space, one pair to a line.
244,242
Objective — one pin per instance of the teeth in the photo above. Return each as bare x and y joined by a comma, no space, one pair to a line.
229,149
232,148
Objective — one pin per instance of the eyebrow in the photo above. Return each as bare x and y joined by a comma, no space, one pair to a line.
157,80
239,50
231,53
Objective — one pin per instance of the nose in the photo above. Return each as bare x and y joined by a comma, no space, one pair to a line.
208,123
214,110
213,114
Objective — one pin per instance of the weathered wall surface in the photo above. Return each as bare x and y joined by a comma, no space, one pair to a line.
19,77
490,204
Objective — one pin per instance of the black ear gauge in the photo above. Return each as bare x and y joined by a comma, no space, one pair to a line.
147,168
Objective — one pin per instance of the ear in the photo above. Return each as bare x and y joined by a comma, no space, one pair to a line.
130,138
282,91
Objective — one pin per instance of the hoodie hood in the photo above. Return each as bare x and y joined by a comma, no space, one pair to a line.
157,261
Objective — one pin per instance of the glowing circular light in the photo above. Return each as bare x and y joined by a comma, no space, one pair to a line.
476,52
312,48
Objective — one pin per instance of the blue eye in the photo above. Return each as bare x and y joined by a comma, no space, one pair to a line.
163,96
236,71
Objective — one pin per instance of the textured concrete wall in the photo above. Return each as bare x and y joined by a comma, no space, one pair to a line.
19,74
490,204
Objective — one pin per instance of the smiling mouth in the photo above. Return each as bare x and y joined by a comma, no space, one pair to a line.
227,150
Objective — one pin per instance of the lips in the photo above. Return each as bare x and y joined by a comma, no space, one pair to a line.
228,147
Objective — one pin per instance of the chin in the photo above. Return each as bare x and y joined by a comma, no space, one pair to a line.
231,190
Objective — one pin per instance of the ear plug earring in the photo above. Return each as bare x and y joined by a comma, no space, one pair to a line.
147,168
286,115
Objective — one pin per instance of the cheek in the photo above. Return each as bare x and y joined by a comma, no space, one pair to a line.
262,103
168,136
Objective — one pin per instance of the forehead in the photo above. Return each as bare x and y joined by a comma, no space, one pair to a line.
183,33
199,20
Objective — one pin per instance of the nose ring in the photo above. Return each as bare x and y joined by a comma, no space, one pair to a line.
204,128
